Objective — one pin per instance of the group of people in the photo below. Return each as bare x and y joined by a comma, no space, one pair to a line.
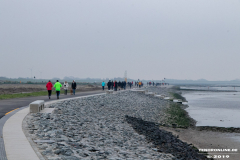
139,84
150,83
58,86
114,85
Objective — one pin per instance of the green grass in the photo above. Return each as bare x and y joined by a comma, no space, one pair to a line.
32,94
178,115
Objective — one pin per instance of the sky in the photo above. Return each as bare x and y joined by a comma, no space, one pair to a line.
172,39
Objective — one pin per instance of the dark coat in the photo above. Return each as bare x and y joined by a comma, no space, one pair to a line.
74,85
109,84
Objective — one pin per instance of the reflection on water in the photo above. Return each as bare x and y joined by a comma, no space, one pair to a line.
214,108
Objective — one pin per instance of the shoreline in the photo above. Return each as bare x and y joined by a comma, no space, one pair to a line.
209,137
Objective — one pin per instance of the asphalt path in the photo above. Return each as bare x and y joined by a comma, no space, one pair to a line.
11,104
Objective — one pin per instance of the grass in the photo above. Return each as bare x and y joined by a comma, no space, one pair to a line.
178,116
32,94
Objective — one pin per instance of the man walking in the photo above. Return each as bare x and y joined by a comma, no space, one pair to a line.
112,85
58,86
103,84
109,84
74,87
115,85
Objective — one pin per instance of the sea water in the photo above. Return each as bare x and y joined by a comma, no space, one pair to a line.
220,109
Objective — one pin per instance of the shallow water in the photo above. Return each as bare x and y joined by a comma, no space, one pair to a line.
220,109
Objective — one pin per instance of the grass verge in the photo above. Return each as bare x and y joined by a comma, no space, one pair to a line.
32,94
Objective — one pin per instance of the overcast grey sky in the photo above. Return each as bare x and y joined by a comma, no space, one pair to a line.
177,39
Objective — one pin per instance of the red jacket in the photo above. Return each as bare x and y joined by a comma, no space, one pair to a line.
49,86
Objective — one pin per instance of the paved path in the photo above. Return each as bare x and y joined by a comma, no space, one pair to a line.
17,146
11,104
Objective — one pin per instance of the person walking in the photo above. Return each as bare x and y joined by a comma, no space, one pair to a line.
49,88
130,84
124,85
112,85
115,84
103,84
139,84
109,84
57,86
74,87
65,87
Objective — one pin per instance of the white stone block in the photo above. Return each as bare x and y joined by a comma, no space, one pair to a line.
36,106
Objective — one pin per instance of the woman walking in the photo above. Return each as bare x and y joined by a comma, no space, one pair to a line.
49,88
65,87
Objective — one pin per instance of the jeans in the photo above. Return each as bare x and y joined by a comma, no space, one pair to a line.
73,91
58,93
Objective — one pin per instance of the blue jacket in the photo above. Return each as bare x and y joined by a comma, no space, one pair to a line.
103,83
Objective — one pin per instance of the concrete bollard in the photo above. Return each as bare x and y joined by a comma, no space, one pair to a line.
36,106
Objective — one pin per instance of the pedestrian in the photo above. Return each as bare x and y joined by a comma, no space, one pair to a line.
49,88
103,84
135,83
74,87
109,84
115,85
139,84
65,87
124,85
112,85
130,84
119,85
57,86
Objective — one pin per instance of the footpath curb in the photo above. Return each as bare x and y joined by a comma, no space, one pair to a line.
3,120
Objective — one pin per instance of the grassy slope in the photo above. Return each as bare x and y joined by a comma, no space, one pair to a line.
178,115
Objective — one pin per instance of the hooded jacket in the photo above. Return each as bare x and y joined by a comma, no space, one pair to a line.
49,86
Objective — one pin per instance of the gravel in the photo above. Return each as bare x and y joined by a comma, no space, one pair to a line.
100,127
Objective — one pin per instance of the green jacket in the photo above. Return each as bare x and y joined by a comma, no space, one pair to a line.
58,86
